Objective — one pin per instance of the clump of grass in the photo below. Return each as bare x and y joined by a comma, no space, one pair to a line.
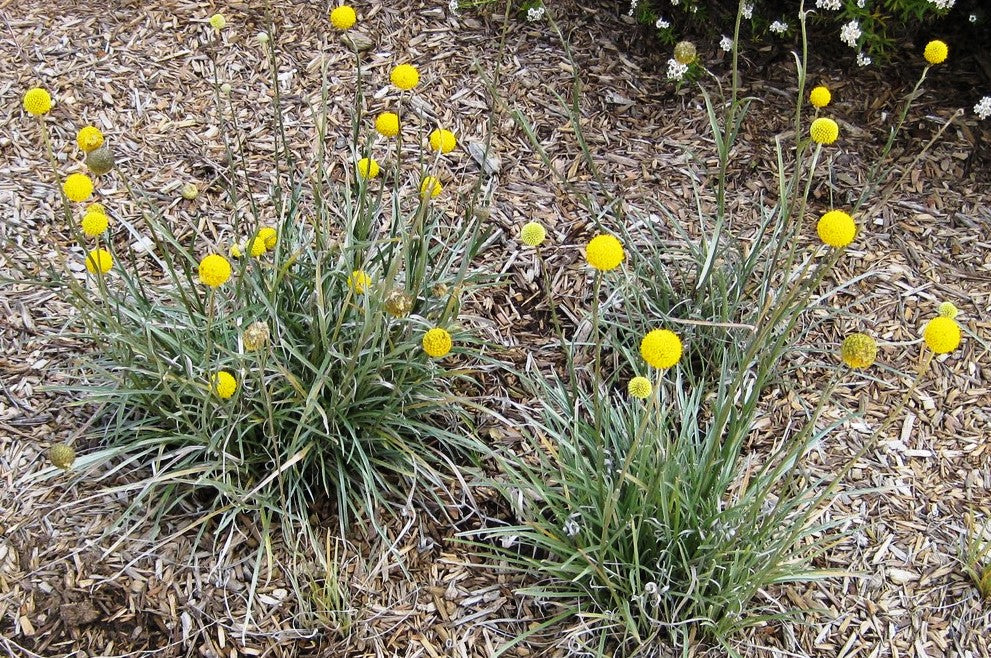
975,555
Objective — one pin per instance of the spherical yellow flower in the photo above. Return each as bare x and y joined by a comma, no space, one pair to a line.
936,52
443,140
387,124
256,246
269,235
78,187
189,191
99,260
948,310
820,97
89,138
96,207
640,387
942,335
343,17
533,234
661,348
62,455
214,270
824,131
37,101
604,252
223,384
858,351
235,251
94,223
405,76
218,21
685,52
430,187
836,228
368,168
359,281
437,342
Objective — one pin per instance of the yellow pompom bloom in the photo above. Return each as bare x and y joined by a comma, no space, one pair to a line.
218,21
37,101
661,348
936,52
269,236
405,76
99,260
948,310
78,187
235,251
437,342
820,97
94,223
430,187
942,335
62,455
368,168
96,207
214,270
256,246
533,234
836,228
443,140
858,351
387,124
359,281
223,384
824,131
89,138
604,252
685,52
343,17
640,387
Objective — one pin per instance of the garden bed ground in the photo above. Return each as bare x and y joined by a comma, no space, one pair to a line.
142,73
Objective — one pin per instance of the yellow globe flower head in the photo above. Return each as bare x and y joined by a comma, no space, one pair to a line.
942,335
437,343
640,387
256,246
99,261
214,270
443,140
223,384
948,310
343,17
37,101
824,131
661,348
96,207
218,22
820,97
78,187
936,52
368,168
604,252
430,187
836,228
858,351
405,77
89,138
685,52
269,235
359,281
533,234
62,455
387,124
235,251
94,223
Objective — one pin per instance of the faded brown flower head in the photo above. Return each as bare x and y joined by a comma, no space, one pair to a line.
398,303
255,336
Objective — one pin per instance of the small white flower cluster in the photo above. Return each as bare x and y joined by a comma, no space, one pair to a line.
633,6
778,26
863,60
832,5
972,18
662,24
571,526
675,3
453,6
676,70
943,4
726,44
861,3
748,11
850,33
534,14
983,107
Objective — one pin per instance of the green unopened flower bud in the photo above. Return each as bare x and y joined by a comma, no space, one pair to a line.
100,161
62,455
948,310
685,53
